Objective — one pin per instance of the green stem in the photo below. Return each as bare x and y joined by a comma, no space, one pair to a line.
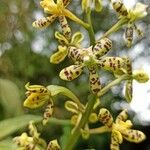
99,130
115,82
90,28
59,121
76,134
115,27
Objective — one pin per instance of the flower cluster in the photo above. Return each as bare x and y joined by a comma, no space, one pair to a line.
33,140
120,129
132,15
93,58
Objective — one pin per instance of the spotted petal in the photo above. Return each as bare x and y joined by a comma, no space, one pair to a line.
44,22
119,7
105,117
122,116
95,84
102,47
133,135
71,72
128,91
114,64
48,112
65,27
59,56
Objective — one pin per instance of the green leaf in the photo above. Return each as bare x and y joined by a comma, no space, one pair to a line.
12,125
10,98
55,90
7,144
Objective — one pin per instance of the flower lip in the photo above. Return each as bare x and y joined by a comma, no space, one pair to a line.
37,95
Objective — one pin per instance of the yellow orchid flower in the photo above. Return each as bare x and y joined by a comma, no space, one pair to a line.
37,95
53,145
62,52
57,10
31,141
86,57
132,15
120,129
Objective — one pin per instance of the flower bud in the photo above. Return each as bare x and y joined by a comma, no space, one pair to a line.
93,118
140,76
53,145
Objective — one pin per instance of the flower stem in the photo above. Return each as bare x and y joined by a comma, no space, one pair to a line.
115,82
99,130
90,27
76,134
59,121
115,27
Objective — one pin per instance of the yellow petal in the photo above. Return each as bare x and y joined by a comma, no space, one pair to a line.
77,38
71,72
44,22
49,6
37,95
85,4
140,76
105,117
61,38
114,64
128,91
59,56
133,135
66,2
122,116
140,11
98,5
53,145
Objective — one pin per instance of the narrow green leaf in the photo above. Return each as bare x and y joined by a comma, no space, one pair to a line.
11,125
55,90
7,144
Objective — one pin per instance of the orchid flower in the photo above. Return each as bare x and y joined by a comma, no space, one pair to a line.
120,129
132,15
57,10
